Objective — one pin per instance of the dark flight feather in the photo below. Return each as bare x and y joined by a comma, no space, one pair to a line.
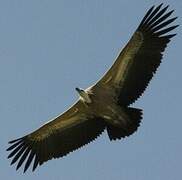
153,30
57,144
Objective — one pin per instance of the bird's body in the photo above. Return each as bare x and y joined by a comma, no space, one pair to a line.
110,111
105,105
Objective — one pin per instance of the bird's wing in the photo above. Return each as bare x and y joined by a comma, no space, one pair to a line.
138,61
56,138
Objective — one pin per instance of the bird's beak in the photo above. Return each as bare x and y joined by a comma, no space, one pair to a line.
78,90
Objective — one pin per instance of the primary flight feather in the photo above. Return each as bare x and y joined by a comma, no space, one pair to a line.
104,105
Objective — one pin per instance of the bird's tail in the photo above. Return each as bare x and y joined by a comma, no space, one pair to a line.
133,120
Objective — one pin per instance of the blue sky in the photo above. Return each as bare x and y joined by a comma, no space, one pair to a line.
47,48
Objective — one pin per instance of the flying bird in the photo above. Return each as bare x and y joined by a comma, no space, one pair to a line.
106,104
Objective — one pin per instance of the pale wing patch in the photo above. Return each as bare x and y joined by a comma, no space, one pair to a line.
107,117
108,79
51,126
128,56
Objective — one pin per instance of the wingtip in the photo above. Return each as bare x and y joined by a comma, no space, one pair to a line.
25,169
8,149
13,141
175,26
24,172
170,12
12,162
165,8
160,5
17,167
9,156
175,19
157,8
34,167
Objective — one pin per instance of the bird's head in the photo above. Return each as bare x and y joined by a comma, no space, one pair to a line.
83,95
80,91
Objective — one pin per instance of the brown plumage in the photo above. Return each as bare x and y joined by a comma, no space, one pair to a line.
105,104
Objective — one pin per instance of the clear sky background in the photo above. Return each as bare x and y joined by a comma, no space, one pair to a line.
49,47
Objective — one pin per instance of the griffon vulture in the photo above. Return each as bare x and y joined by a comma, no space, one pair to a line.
105,105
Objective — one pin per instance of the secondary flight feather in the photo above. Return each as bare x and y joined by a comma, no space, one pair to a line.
104,105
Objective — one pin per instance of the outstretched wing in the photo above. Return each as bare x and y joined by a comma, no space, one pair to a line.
136,64
57,138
